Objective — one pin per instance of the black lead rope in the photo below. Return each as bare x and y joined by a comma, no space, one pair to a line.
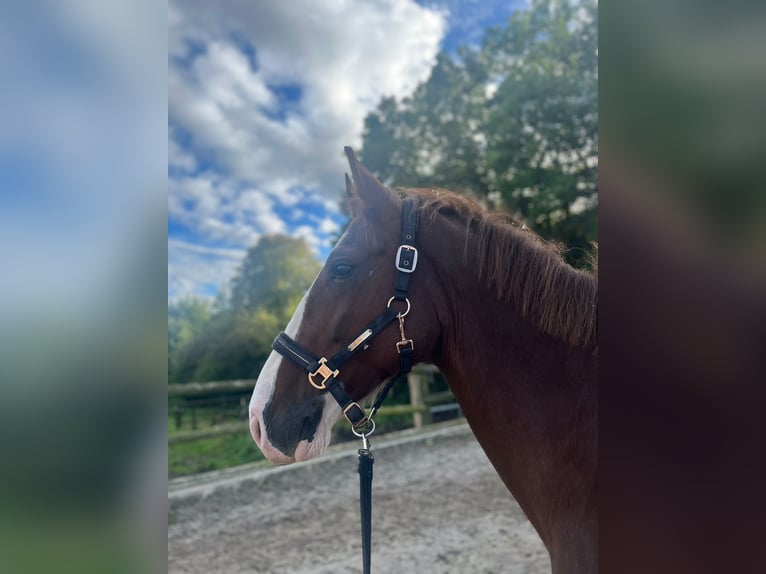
324,374
366,460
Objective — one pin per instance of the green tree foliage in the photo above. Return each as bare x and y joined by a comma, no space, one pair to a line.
513,123
233,346
274,275
236,340
187,319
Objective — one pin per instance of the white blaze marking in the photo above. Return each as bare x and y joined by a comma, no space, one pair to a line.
264,389
264,386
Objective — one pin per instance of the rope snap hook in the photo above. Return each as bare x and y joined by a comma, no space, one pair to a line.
363,435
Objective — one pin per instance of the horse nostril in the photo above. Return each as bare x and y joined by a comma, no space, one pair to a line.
255,428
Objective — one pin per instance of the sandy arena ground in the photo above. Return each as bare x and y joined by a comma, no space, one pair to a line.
438,507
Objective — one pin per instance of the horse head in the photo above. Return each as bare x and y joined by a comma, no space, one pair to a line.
290,419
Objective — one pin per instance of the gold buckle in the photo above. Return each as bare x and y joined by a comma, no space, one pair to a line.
404,342
348,408
323,371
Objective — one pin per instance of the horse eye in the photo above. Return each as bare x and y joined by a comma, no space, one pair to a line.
343,270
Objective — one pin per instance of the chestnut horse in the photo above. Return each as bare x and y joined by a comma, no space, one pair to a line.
509,324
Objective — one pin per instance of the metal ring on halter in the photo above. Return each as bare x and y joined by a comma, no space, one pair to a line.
406,300
364,434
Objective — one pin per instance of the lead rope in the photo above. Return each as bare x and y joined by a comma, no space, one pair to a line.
366,460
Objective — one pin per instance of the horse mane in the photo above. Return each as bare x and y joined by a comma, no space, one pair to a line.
521,268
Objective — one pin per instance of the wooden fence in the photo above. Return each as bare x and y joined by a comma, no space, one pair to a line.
422,403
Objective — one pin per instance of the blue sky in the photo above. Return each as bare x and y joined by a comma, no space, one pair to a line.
262,97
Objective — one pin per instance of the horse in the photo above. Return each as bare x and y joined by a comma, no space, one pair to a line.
509,324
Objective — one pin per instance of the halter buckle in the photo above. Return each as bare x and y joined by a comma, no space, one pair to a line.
401,344
361,421
406,258
323,371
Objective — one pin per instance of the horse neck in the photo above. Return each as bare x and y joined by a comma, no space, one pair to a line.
530,400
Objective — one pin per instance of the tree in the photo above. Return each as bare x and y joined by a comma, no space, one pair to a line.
233,346
187,319
274,275
236,340
513,123
542,136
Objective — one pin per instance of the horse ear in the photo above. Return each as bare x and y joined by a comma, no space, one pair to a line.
375,197
354,203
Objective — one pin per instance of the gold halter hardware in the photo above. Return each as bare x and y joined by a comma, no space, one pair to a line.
323,371
405,341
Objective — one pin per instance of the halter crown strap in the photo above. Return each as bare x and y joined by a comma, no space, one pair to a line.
407,254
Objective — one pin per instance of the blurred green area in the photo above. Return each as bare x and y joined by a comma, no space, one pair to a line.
682,114
72,546
82,434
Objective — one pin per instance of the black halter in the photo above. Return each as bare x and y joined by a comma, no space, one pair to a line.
324,374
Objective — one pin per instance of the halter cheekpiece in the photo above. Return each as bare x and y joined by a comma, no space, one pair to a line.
324,374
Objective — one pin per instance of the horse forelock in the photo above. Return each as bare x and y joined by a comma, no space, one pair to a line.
521,268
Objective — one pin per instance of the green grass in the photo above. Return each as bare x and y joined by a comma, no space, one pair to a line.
211,454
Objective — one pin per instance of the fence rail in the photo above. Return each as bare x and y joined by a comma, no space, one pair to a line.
213,388
422,404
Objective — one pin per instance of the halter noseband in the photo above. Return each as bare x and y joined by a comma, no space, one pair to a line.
324,374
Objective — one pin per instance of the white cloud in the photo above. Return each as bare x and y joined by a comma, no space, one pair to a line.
250,156
229,82
213,208
195,270
179,158
344,56
221,252
327,225
270,222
